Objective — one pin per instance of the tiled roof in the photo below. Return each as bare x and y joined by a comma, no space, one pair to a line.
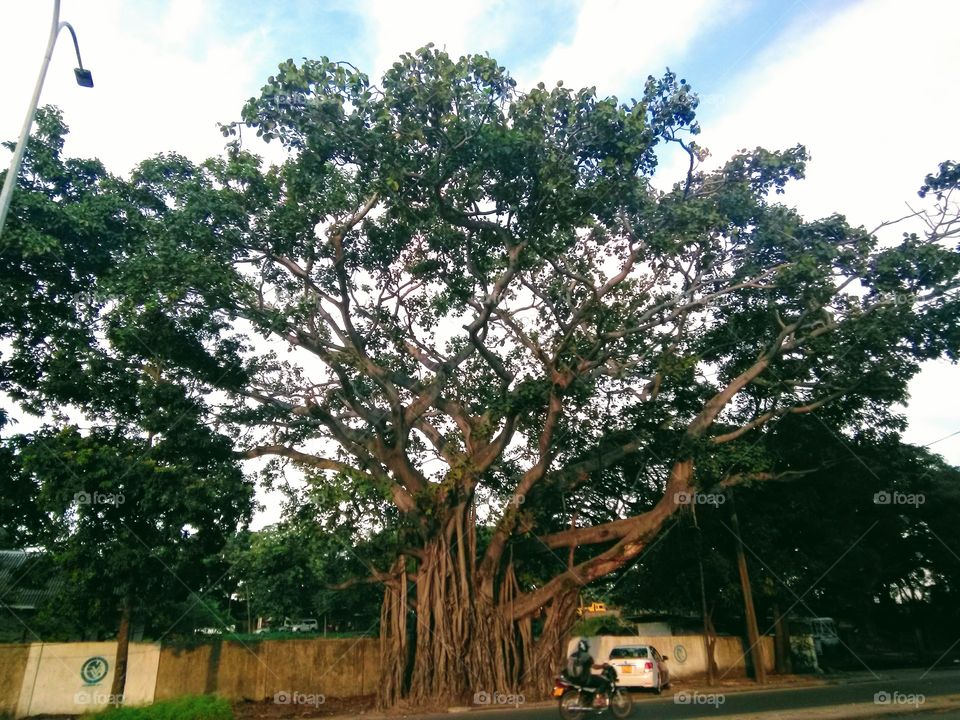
10,560
18,591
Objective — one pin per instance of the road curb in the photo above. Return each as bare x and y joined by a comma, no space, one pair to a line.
855,710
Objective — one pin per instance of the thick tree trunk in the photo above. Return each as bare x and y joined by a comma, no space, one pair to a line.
394,638
709,633
713,671
782,641
464,646
123,645
455,628
749,613
549,651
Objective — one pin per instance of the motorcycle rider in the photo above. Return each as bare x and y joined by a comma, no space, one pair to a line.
579,667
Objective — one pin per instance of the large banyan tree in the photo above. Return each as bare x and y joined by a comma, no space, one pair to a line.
490,312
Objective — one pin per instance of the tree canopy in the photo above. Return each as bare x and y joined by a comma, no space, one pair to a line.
499,332
127,488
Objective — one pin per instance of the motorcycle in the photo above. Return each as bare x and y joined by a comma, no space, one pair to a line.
577,700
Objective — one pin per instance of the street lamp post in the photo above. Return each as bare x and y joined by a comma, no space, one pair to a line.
84,79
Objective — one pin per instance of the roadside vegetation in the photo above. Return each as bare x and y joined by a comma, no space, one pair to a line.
199,707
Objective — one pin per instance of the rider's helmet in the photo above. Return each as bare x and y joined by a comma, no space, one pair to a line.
583,645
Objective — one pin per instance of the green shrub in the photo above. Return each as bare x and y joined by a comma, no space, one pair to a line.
602,625
198,707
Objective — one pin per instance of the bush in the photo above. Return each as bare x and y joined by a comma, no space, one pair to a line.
199,707
602,625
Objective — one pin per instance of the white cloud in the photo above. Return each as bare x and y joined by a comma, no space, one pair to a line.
933,418
868,93
163,78
616,42
467,27
183,19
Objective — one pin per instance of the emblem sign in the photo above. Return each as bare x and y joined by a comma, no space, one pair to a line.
94,670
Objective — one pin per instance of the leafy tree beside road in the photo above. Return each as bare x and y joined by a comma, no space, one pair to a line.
133,509
292,570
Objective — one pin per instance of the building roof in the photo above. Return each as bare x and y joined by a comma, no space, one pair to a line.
19,589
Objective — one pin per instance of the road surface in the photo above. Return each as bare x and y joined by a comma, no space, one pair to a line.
903,689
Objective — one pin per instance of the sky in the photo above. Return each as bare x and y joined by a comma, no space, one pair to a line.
869,87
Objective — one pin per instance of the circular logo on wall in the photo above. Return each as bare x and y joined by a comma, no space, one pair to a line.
680,653
94,670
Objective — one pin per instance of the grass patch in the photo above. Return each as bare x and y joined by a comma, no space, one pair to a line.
196,707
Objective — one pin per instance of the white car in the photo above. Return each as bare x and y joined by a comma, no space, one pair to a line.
303,625
640,666
216,631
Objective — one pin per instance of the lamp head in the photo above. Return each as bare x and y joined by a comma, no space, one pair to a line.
84,77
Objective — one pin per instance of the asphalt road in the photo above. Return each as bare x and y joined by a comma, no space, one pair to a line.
906,688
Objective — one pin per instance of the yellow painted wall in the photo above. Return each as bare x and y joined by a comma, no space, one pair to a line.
52,683
13,663
730,652
264,669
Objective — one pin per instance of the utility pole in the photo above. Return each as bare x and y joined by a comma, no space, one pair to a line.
753,633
